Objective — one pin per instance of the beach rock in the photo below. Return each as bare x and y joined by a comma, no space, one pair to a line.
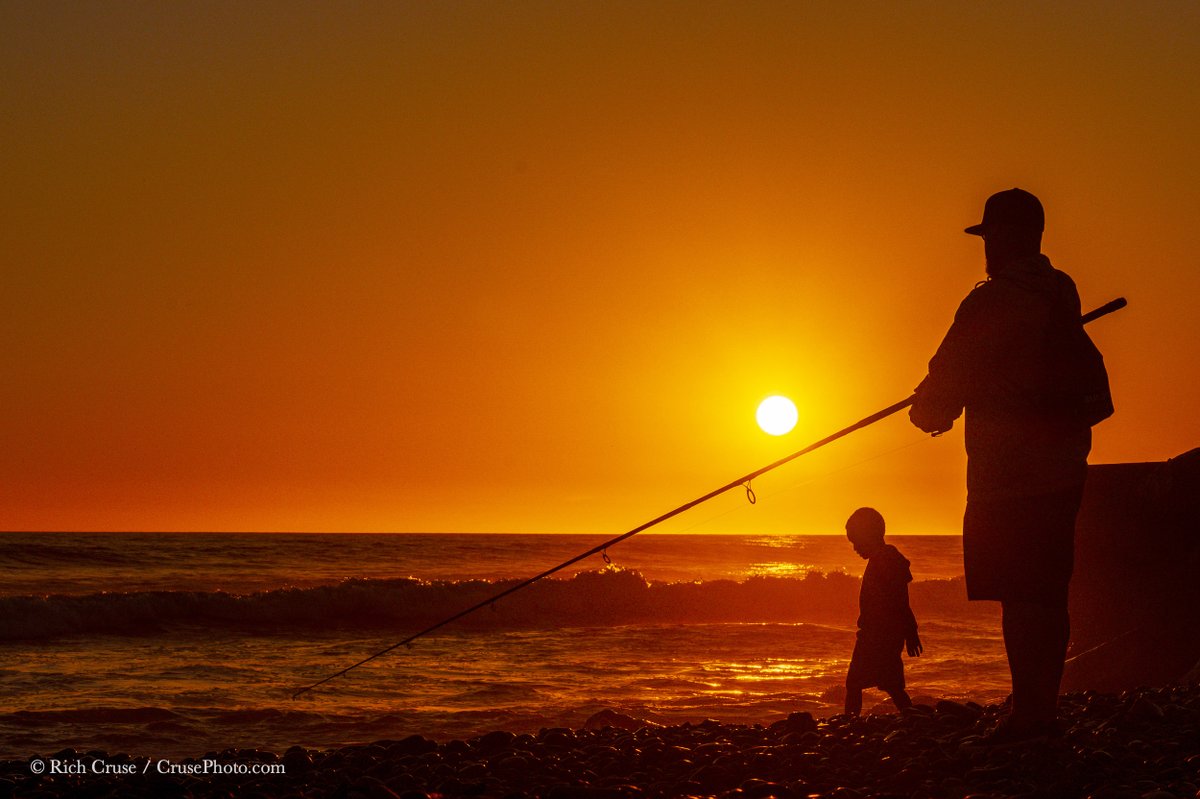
716,778
800,722
297,760
474,771
412,745
958,710
455,748
561,738
374,788
511,766
611,718
494,741
755,788
1143,709
564,791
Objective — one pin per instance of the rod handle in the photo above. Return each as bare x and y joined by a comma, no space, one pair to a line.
1104,310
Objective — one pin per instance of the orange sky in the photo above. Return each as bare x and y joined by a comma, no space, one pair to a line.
530,267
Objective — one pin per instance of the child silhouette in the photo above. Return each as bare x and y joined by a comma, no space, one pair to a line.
886,624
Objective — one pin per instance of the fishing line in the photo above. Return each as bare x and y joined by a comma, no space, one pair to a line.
742,482
816,478
819,477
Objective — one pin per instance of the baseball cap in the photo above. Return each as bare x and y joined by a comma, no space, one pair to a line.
1014,207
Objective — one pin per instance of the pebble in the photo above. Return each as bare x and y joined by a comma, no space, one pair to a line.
1139,745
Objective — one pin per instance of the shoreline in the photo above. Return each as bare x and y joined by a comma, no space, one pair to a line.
1143,744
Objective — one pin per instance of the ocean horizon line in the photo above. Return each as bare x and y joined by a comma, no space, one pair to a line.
440,532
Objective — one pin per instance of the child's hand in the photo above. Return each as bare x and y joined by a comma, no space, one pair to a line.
914,646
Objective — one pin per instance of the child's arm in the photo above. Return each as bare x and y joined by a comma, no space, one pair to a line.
912,641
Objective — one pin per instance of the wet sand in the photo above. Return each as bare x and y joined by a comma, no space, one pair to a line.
1141,744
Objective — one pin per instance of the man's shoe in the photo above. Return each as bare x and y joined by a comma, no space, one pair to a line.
1008,734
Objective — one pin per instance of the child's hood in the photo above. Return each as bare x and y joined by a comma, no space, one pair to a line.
891,559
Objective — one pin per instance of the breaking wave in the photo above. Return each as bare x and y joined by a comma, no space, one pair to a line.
607,597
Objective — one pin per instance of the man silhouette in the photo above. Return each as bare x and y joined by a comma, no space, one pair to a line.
1026,464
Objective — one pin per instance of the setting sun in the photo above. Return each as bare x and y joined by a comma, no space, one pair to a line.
355,353
777,415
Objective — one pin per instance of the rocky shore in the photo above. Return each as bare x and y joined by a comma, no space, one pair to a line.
1142,744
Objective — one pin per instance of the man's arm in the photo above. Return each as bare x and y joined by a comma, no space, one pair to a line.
942,395
936,407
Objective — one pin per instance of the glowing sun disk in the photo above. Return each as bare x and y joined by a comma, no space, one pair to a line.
777,415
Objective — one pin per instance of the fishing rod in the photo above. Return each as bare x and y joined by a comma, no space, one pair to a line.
743,481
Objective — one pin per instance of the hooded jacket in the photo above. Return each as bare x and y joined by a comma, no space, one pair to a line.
883,609
994,363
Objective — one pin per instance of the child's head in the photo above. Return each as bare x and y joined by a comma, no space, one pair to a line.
865,530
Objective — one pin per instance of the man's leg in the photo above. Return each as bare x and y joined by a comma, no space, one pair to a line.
853,698
1035,638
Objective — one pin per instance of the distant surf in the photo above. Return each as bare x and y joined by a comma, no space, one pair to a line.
610,596
176,644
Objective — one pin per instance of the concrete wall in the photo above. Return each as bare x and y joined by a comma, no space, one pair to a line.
1135,596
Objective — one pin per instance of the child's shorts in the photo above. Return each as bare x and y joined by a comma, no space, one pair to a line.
876,663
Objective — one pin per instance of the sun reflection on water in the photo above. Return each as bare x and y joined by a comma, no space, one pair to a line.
767,676
780,569
777,542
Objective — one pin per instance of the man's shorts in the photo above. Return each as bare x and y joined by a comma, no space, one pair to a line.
1021,549
876,663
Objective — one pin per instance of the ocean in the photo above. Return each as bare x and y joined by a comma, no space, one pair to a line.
173,645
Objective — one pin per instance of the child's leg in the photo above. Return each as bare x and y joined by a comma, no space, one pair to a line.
900,698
